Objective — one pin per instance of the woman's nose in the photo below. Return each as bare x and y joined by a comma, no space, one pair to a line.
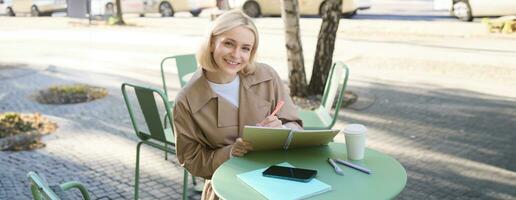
235,52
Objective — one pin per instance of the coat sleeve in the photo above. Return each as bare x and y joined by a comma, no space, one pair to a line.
288,113
192,149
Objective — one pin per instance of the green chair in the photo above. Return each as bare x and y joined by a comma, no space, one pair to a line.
186,66
158,134
320,118
42,191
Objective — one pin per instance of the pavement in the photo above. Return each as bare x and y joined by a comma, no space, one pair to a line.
94,143
442,103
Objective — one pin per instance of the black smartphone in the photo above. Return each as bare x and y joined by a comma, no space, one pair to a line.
290,173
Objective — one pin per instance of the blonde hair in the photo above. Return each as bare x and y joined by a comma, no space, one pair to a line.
225,22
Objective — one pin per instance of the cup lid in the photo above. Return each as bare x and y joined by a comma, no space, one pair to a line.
355,129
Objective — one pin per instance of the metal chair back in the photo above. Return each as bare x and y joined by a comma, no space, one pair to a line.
335,88
147,101
186,65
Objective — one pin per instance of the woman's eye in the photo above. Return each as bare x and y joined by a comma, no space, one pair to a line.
228,43
246,49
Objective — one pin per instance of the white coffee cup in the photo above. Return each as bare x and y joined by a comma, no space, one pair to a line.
355,135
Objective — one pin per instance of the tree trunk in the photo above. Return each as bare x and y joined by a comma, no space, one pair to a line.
297,77
223,4
325,46
119,13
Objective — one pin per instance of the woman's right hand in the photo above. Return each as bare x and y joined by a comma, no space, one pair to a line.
240,147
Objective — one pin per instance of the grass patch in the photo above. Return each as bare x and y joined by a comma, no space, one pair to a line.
70,94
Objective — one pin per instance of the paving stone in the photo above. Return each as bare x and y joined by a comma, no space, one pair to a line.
453,143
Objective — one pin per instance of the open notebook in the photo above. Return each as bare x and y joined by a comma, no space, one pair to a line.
263,138
274,188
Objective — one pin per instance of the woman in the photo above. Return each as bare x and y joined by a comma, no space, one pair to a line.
230,91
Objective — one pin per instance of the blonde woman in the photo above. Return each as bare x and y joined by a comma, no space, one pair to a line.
230,91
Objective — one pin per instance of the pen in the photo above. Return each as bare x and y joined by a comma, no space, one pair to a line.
278,107
354,166
338,170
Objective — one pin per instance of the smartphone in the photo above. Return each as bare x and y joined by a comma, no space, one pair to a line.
290,173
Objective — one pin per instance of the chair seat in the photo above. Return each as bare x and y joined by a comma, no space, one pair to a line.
315,119
169,136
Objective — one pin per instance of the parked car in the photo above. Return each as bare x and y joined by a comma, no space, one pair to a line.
6,8
167,8
256,8
38,7
466,10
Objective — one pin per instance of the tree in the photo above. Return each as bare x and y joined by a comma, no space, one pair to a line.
223,4
120,19
290,16
331,12
325,45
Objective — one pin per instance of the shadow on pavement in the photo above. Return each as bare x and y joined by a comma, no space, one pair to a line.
454,143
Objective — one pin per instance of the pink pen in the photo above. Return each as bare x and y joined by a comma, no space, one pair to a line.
276,110
278,107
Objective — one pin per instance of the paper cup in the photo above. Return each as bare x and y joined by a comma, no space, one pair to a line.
355,135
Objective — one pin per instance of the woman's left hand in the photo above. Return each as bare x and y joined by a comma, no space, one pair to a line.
271,121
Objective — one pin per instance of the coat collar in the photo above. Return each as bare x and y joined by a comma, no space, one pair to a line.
259,75
201,93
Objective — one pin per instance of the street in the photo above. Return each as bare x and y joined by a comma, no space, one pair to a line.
437,94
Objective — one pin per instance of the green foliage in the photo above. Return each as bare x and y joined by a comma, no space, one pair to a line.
114,20
12,124
69,89
23,131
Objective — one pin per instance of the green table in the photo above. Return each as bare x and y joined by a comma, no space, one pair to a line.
387,180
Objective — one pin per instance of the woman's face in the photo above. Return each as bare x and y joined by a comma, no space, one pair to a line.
232,50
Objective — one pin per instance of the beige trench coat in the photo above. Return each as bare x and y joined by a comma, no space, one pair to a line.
206,124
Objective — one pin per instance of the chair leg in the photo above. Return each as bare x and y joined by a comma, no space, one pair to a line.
137,171
165,125
194,182
185,185
198,187
166,154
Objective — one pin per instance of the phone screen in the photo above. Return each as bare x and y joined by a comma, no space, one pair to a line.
289,173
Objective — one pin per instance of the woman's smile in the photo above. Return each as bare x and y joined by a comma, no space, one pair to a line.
231,62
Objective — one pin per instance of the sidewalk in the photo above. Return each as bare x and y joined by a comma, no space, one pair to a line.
454,144
94,143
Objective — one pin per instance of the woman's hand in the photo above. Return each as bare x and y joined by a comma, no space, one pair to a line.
240,147
271,121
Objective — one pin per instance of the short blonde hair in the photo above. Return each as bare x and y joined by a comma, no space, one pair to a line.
225,22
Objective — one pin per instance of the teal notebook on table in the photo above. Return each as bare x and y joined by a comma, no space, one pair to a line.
274,188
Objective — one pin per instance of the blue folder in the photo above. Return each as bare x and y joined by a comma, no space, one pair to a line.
274,188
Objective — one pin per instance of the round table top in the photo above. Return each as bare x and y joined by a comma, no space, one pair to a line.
387,180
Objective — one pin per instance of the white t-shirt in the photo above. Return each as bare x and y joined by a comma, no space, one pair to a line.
228,91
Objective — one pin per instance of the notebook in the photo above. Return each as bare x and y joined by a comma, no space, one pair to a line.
264,138
274,188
